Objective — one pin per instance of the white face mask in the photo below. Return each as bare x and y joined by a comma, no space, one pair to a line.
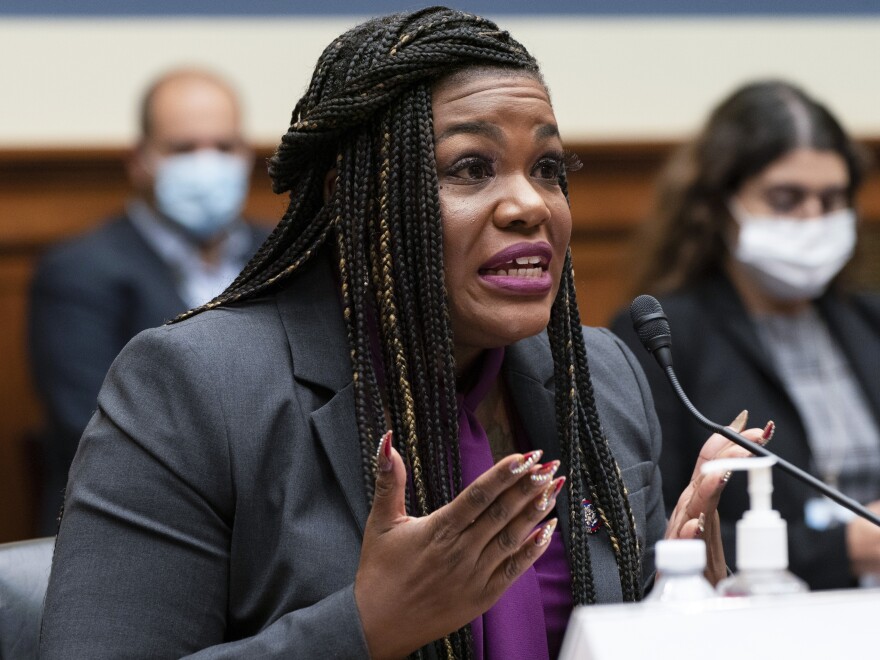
793,259
203,191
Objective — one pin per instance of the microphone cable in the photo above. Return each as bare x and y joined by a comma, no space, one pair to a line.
651,325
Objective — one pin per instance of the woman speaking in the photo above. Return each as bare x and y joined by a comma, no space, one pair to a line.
364,445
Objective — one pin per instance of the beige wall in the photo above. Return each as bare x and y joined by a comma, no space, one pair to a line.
75,82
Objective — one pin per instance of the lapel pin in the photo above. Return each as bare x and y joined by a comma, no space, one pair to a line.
591,517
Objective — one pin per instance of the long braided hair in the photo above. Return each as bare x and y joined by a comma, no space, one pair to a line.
367,116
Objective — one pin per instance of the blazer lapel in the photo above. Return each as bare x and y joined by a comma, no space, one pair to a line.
311,312
727,313
528,369
335,426
141,257
528,372
854,333
851,329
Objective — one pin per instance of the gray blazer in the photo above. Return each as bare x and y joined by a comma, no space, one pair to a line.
216,505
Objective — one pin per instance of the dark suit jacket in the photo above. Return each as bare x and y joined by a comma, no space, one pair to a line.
216,502
723,367
89,297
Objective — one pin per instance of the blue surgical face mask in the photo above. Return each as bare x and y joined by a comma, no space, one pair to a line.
203,191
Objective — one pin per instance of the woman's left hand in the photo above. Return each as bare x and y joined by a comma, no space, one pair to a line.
696,515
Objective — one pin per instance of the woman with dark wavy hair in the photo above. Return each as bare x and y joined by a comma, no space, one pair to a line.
353,450
754,221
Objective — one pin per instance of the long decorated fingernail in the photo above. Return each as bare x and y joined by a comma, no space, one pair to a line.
383,454
545,473
739,423
544,537
726,477
547,495
527,461
769,430
701,526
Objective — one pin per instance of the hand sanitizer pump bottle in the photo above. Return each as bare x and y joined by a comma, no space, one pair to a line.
761,536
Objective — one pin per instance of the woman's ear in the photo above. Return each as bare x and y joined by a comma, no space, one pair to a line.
330,184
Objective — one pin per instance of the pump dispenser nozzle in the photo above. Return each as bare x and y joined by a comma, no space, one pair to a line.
761,534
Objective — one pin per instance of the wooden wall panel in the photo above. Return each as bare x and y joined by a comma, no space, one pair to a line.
47,196
19,410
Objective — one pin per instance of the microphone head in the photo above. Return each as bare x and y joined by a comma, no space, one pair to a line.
650,323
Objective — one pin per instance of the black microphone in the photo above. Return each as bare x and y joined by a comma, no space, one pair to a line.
651,325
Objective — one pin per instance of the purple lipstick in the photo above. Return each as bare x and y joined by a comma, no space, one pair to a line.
520,269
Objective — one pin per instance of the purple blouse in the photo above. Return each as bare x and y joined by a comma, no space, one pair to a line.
529,620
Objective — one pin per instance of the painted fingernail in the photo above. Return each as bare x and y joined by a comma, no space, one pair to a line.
383,454
726,477
545,473
527,461
548,494
701,526
769,430
544,537
739,423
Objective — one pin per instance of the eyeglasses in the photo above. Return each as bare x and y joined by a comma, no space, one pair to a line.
789,199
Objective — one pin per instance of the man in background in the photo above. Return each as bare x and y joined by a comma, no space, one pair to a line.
179,243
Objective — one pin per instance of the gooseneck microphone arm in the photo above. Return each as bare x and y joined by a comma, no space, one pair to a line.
652,327
760,450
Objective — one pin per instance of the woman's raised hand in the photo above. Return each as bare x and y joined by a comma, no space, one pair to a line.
422,578
695,515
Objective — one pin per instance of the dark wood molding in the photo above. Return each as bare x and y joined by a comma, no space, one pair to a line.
50,194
